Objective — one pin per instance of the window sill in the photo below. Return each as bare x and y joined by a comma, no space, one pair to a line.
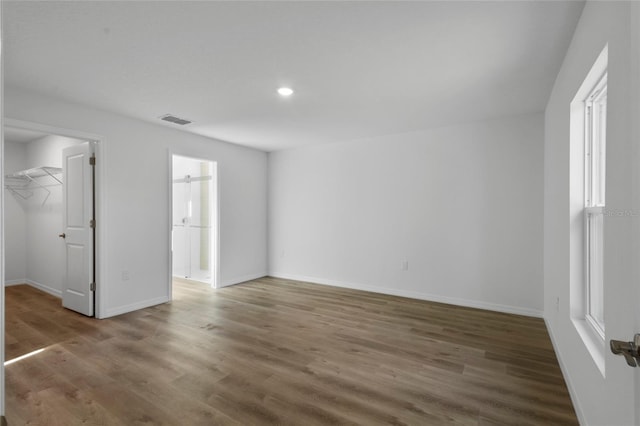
593,342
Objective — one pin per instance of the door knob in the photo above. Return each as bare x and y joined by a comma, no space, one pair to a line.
63,235
629,350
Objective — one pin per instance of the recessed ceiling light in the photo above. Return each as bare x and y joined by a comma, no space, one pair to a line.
285,91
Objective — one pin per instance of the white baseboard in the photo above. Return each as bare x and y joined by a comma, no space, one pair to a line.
9,283
415,295
164,299
135,306
572,391
52,291
238,280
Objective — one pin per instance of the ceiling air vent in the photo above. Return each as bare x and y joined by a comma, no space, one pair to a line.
176,120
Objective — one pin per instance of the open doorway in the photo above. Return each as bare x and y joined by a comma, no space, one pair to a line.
34,211
40,182
194,220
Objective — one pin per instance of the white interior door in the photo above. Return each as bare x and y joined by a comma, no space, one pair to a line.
635,146
622,241
633,317
78,231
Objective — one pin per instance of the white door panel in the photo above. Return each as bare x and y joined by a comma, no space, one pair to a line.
622,272
79,236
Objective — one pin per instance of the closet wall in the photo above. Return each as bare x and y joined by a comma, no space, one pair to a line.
15,219
34,252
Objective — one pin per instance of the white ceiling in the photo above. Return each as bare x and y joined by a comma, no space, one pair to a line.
359,69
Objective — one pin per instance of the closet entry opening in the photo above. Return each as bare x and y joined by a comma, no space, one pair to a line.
194,220
49,215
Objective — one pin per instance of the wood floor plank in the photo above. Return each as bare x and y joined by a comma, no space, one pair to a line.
274,351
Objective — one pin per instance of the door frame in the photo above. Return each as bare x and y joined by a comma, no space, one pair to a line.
215,237
99,145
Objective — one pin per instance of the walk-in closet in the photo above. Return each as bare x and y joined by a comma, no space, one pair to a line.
34,252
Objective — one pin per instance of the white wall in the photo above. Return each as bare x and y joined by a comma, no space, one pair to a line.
462,204
2,224
598,399
136,195
15,218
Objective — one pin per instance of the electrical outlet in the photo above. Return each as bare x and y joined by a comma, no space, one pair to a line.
404,265
125,275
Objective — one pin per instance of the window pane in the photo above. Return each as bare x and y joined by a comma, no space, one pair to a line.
599,146
595,174
595,226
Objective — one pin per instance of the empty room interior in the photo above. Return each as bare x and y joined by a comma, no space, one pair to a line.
320,212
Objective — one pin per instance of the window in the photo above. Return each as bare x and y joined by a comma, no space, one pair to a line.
595,110
587,184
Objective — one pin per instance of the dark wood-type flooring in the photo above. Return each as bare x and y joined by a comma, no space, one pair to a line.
272,351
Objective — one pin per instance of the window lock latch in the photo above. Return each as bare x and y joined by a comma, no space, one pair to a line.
629,350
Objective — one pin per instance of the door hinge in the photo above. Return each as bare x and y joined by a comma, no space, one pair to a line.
92,160
92,223
92,286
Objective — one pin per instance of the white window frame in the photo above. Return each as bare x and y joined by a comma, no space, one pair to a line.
586,205
594,203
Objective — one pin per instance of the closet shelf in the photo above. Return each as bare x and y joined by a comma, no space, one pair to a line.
24,182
